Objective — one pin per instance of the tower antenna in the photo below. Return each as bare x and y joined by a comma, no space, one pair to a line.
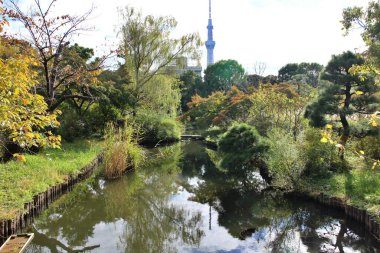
210,43
209,9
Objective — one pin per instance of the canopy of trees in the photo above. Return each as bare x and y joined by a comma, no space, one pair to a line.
222,75
191,84
343,94
149,47
303,72
24,119
64,72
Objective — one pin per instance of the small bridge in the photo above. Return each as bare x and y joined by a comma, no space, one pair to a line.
192,137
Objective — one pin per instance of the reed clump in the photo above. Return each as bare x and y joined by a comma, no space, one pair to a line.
121,150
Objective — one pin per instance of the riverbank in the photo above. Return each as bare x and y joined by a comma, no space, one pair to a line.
359,188
186,192
21,182
356,192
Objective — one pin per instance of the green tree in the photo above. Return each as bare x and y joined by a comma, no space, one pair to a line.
277,106
78,57
242,150
222,75
148,48
191,84
82,118
113,88
164,100
306,72
286,72
343,95
369,21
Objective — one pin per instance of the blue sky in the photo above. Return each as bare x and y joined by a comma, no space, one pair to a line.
275,32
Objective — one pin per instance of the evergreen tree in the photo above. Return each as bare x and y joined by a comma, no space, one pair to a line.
191,84
342,94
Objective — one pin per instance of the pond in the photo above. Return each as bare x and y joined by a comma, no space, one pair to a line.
182,202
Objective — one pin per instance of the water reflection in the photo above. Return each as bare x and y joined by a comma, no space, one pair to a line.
182,201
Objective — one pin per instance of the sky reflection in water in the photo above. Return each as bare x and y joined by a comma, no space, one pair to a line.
182,202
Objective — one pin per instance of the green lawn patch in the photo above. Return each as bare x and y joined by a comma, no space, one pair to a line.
358,187
20,181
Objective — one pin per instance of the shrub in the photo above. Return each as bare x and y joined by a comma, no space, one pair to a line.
242,148
89,123
370,146
214,132
72,126
169,130
157,128
100,114
320,158
121,151
284,160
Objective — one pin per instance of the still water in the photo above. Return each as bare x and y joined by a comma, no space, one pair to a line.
181,202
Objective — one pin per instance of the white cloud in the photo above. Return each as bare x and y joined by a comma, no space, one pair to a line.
272,31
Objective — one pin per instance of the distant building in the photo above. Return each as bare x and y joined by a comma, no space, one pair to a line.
210,43
181,65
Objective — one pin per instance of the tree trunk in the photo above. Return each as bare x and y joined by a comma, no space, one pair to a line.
343,117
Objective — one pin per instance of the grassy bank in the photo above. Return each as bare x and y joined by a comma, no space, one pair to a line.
358,187
19,181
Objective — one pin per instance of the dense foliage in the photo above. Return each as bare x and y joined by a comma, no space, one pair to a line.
24,119
344,94
303,72
242,150
148,48
307,125
157,128
341,94
222,75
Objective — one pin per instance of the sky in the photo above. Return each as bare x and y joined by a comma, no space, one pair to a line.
275,32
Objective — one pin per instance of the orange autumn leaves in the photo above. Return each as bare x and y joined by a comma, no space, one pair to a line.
274,104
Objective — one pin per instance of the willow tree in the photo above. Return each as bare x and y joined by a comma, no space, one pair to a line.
148,47
164,100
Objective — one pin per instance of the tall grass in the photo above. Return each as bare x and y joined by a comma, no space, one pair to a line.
121,151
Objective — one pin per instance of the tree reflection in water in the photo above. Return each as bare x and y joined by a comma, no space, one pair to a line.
183,201
277,222
140,200
154,224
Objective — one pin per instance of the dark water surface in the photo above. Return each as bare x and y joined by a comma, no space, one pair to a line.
181,202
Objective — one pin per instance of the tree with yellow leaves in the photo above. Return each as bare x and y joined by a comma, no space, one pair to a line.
368,20
23,115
